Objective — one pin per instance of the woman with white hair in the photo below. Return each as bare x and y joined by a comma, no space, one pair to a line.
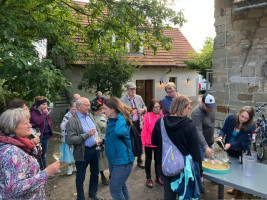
20,175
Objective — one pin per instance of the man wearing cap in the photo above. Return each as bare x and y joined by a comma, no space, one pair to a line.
166,102
203,117
136,102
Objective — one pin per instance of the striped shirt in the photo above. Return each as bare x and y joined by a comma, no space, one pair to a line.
87,124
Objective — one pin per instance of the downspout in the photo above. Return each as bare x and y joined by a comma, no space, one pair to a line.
251,6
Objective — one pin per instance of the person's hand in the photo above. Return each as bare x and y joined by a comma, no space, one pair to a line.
99,142
219,138
141,111
134,111
209,152
91,132
227,146
53,168
35,140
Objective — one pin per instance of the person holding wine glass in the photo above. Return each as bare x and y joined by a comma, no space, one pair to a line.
236,133
35,131
20,175
101,121
81,131
40,117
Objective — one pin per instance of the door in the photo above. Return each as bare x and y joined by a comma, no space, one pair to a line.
144,88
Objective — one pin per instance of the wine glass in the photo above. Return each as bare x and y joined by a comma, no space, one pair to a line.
97,140
36,133
225,157
57,152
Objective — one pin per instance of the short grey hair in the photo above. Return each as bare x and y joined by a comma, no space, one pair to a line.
78,102
10,119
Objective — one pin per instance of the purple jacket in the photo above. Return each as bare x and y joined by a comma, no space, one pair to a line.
38,119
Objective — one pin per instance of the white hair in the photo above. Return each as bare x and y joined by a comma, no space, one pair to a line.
10,119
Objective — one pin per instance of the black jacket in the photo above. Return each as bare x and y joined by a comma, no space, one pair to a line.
182,133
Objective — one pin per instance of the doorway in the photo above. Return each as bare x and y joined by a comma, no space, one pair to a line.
145,89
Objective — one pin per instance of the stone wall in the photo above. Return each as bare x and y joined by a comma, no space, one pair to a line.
240,56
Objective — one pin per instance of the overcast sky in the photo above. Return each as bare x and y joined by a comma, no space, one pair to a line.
200,20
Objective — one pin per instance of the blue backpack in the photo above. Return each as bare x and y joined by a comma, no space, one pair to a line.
172,159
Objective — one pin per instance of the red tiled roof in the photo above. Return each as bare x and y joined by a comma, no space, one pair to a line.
173,58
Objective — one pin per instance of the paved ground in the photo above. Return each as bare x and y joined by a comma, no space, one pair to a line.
62,187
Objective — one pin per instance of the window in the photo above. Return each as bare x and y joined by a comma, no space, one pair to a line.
172,79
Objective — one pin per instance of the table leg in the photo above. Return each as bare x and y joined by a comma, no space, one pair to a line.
220,191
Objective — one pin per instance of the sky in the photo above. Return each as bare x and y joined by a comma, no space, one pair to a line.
200,21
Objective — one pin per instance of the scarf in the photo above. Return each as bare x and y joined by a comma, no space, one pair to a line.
24,143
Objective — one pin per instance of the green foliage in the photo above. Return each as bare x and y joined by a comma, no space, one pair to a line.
203,60
107,74
60,22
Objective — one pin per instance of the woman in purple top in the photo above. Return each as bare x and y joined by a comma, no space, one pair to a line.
20,176
40,117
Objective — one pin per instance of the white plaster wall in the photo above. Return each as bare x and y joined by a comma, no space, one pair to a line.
189,89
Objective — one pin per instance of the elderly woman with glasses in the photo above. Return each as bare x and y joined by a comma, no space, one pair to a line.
20,175
151,116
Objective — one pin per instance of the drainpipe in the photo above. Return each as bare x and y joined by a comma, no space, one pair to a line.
251,6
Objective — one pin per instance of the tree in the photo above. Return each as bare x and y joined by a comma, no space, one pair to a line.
203,60
62,22
107,74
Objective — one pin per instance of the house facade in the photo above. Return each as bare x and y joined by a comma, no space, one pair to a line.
240,55
155,72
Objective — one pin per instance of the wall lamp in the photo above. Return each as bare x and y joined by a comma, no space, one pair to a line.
161,81
188,80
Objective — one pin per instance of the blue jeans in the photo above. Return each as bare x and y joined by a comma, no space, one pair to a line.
202,151
44,148
91,157
119,175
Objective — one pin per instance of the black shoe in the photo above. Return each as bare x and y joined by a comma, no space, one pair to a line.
140,166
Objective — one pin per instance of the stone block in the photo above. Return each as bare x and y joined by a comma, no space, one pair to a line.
252,89
223,109
218,87
220,38
245,97
255,13
238,87
235,51
261,32
239,16
260,97
220,78
218,53
248,71
250,24
263,21
223,20
221,4
237,25
234,71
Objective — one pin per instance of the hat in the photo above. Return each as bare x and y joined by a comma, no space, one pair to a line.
209,101
95,106
130,85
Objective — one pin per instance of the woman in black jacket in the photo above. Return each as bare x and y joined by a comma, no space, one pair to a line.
182,132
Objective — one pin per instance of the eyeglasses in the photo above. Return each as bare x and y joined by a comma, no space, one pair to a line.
156,107
170,92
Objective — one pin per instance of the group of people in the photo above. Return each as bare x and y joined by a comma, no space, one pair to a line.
97,133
